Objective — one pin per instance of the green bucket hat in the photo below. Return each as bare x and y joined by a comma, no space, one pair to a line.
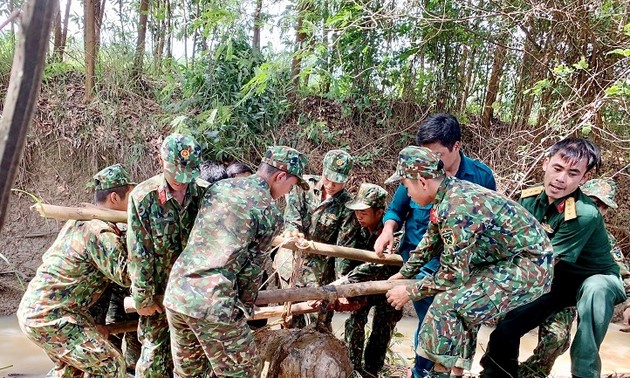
289,160
182,155
603,189
337,166
369,195
415,162
112,177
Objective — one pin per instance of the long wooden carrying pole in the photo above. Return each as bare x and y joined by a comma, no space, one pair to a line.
87,213
328,292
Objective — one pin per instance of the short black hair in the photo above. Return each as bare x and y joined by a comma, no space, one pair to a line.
237,169
266,170
100,196
572,150
439,128
212,171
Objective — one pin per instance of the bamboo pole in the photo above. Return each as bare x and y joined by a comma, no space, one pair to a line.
337,251
80,213
328,292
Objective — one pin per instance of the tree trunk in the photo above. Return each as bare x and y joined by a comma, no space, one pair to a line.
98,22
169,30
257,24
138,59
64,33
58,35
90,47
493,83
23,91
300,37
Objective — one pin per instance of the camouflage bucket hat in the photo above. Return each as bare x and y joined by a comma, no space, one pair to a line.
369,195
289,160
337,165
182,155
603,189
112,177
415,162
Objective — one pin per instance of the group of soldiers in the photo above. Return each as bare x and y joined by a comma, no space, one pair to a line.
195,249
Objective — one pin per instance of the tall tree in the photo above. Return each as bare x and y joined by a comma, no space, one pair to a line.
140,43
494,82
89,46
257,25
300,37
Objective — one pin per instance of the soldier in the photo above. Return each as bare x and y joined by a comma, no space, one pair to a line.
494,256
215,281
584,274
161,213
440,133
86,257
368,207
554,335
319,213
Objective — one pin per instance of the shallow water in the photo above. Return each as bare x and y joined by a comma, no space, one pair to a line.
30,361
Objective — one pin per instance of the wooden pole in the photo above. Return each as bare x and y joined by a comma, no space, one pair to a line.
328,292
23,91
337,251
80,213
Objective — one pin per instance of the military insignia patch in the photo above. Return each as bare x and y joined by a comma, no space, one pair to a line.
339,162
185,153
447,236
547,228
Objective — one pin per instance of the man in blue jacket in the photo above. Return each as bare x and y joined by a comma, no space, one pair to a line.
441,133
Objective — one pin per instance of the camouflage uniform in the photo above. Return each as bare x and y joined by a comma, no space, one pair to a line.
76,270
215,281
385,316
554,335
494,256
158,231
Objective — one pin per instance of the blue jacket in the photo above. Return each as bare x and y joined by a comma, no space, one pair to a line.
416,218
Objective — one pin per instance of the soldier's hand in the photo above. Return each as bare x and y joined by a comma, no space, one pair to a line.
626,320
102,330
396,276
384,243
150,310
287,234
348,304
398,297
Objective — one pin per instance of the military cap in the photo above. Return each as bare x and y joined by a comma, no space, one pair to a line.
112,177
182,155
337,165
369,195
603,189
415,162
289,160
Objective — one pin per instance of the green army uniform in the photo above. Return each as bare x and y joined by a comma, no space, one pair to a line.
385,316
158,231
54,313
554,335
494,256
214,282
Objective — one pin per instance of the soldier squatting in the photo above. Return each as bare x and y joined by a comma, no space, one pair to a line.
201,246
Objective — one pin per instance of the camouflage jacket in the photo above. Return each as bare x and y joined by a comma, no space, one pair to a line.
158,231
76,270
217,277
326,221
471,226
624,270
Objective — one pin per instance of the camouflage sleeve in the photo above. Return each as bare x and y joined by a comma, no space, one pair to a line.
110,258
248,282
454,264
293,212
140,264
428,247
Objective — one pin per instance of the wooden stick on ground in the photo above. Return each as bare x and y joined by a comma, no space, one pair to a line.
80,213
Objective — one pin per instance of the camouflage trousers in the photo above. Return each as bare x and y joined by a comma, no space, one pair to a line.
316,271
554,338
448,335
202,348
116,313
77,348
383,324
155,356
